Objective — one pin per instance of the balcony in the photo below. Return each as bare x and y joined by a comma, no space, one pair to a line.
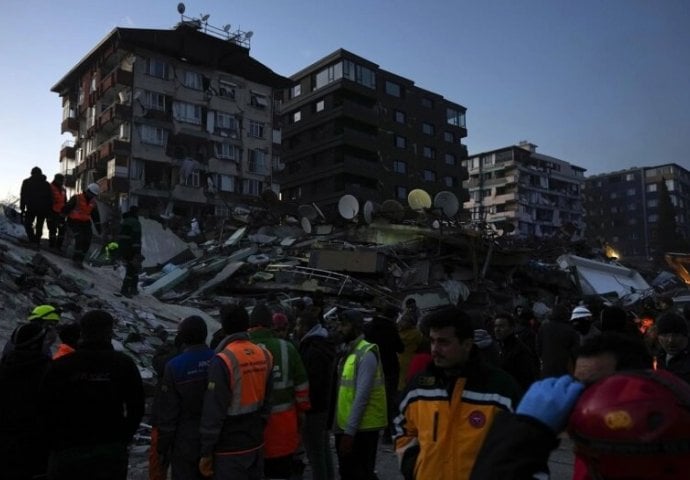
70,125
113,115
117,77
68,151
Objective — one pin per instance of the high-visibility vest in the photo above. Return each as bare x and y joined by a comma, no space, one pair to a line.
374,417
82,210
249,366
59,197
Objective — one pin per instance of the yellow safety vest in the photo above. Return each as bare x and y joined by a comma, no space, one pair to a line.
374,417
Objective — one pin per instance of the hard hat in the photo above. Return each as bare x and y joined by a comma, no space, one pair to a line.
94,189
580,312
633,425
45,312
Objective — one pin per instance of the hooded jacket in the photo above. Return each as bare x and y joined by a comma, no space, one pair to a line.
318,354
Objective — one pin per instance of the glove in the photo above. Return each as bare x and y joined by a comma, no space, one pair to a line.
551,400
206,466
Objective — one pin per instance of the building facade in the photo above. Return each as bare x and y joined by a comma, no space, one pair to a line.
517,190
175,121
623,206
350,127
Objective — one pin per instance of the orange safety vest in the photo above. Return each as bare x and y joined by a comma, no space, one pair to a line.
63,349
59,198
249,366
82,210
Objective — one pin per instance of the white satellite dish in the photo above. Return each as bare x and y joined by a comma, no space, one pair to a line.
348,207
392,210
435,224
306,225
308,212
418,200
368,211
447,202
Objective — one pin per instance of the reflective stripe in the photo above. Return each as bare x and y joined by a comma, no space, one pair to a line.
488,398
287,381
248,368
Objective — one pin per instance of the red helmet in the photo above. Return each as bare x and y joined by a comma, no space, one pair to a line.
634,425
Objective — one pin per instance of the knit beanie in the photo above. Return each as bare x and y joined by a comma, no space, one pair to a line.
261,316
192,330
671,323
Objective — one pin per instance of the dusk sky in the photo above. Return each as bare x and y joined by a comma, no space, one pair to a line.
601,84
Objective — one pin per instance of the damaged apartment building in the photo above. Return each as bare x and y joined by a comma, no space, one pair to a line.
177,121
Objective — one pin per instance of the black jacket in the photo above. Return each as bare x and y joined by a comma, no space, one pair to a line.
384,333
319,357
23,443
679,365
556,345
36,195
517,359
92,396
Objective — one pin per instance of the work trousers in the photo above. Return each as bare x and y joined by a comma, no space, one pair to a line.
316,440
91,462
82,239
130,284
360,464
34,234
246,466
56,230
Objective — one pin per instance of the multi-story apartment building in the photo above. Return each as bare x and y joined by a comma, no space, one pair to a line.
519,190
178,120
352,127
623,206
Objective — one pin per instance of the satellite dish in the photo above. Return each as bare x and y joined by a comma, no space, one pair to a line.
226,28
249,34
306,225
418,199
205,17
348,206
392,209
180,8
435,224
368,211
308,212
447,202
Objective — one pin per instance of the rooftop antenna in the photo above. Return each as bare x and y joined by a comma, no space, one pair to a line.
180,9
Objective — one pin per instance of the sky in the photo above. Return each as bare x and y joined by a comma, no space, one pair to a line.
603,84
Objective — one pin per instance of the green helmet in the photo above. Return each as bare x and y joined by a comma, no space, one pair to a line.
45,312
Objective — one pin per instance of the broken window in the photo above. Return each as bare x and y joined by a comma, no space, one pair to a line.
226,88
192,180
226,125
259,101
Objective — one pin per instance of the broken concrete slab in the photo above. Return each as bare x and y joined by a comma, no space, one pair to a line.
359,261
235,237
158,245
167,282
222,276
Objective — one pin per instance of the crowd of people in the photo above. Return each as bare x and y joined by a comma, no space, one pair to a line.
458,396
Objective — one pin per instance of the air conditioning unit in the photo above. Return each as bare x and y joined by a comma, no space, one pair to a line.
124,132
124,96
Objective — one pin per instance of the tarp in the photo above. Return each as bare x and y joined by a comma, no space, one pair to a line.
599,278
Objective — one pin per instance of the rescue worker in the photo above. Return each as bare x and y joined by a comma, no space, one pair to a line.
81,210
56,221
180,400
69,337
35,201
236,403
47,316
129,240
361,401
289,398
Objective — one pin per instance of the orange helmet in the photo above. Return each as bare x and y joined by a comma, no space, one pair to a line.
634,425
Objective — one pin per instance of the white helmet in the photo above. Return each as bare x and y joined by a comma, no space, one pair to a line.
94,189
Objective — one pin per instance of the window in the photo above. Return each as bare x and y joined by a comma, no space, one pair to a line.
455,117
401,192
449,181
328,75
651,187
256,129
296,116
614,209
653,218
153,135
429,152
157,68
257,162
400,141
192,80
192,180
450,159
427,128
251,187
652,203
296,91
226,88
358,73
227,183
613,195
320,105
154,101
399,166
259,101
227,151
427,102
448,137
631,192
393,89
670,185
399,116
629,177
187,112
429,175
226,125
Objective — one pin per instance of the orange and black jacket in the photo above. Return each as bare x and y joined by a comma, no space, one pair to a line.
444,419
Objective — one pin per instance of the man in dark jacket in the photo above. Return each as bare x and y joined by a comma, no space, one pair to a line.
93,403
557,341
180,400
35,203
318,353
514,356
56,221
129,241
673,338
23,443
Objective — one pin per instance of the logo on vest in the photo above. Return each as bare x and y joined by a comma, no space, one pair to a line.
477,419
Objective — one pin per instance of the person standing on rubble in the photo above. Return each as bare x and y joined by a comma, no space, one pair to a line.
81,210
513,355
23,443
35,202
180,400
556,343
48,317
56,220
93,401
360,411
289,398
129,244
236,403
